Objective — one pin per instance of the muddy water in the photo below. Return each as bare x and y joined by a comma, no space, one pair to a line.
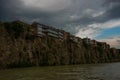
109,71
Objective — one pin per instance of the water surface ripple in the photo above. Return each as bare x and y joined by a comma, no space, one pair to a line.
108,71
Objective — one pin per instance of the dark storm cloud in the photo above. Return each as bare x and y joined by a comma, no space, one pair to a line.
12,9
113,11
112,1
78,12
8,9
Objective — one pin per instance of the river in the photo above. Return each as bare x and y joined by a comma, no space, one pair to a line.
107,71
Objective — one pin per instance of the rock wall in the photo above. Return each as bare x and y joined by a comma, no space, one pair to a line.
19,47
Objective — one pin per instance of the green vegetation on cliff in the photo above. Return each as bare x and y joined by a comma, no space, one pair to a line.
19,48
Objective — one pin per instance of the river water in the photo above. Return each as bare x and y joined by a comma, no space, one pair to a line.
107,71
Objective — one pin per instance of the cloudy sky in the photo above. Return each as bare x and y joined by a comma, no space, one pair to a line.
96,19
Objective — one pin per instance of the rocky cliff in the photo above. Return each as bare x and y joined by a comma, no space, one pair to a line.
20,47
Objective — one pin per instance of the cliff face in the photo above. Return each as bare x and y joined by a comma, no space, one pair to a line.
20,46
